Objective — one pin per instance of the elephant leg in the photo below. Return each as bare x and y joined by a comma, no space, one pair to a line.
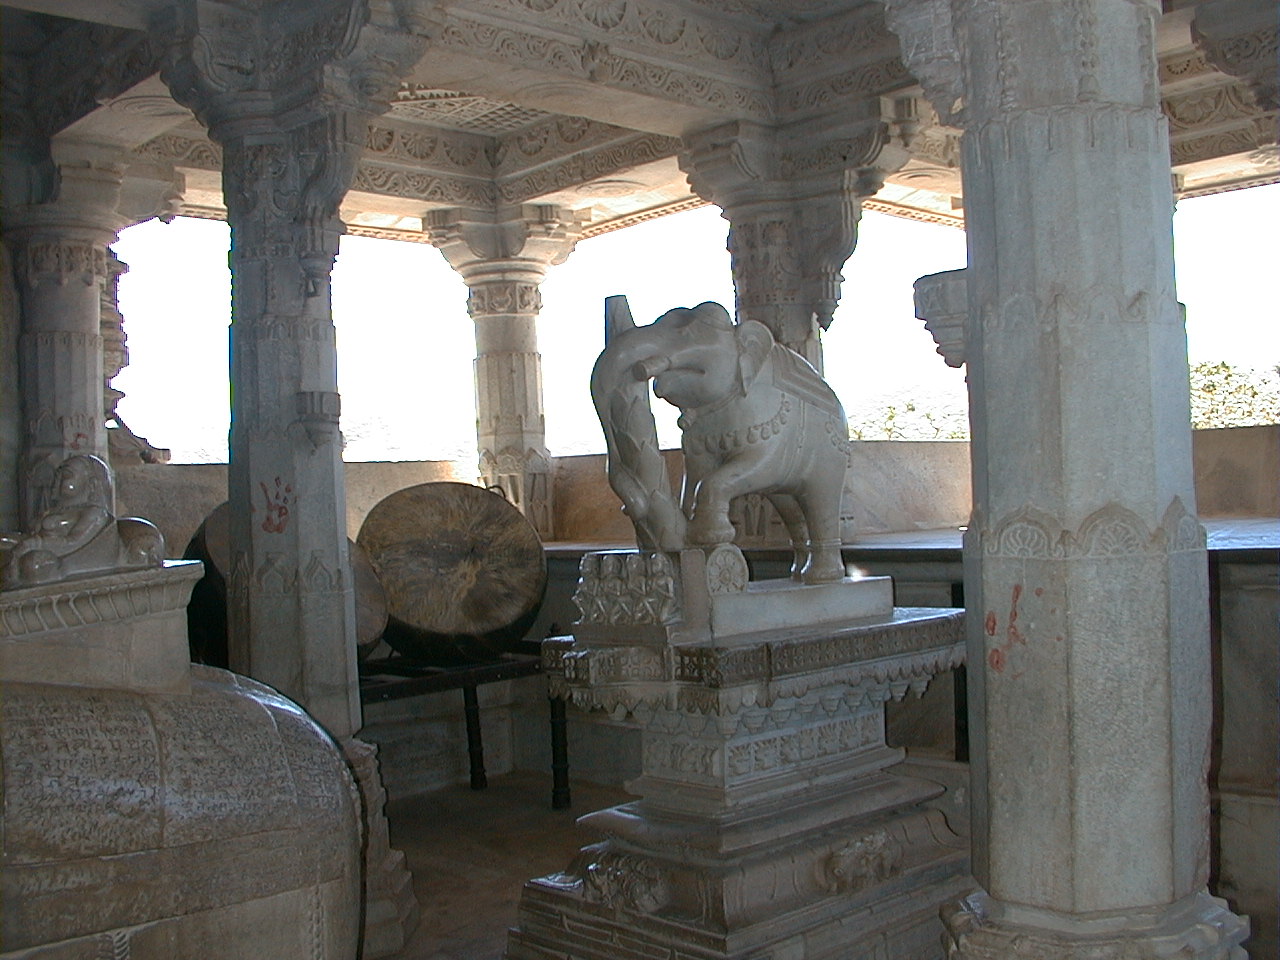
822,513
793,517
709,521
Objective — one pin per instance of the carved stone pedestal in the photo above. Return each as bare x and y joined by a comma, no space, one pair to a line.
771,821
391,909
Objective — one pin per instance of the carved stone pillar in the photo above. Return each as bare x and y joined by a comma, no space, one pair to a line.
503,256
288,91
1085,564
61,266
124,445
793,201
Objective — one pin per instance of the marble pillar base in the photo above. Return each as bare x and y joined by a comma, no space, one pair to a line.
1199,927
391,909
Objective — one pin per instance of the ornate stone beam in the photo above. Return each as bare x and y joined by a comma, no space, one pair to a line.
667,69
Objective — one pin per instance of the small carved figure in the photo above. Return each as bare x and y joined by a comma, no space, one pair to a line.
755,418
860,863
76,533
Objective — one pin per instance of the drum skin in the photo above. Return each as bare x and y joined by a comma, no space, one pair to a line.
463,570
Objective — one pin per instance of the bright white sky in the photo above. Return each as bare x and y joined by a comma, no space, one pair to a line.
406,345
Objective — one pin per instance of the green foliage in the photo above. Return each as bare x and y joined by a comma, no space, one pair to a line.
1223,395
906,421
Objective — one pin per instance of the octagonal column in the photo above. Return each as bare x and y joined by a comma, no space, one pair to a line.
793,201
503,256
288,91
1085,565
291,116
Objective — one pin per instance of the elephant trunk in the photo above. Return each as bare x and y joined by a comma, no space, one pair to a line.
650,368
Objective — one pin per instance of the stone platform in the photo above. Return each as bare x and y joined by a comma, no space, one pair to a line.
771,821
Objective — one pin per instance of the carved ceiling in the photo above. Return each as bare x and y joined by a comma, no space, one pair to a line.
583,103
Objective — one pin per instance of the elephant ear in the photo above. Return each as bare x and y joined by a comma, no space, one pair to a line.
755,342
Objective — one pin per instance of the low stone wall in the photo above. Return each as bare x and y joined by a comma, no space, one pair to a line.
1236,471
893,486
176,497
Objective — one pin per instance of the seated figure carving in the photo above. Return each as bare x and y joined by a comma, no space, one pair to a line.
755,418
77,534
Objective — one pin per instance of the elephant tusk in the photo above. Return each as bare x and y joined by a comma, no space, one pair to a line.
648,369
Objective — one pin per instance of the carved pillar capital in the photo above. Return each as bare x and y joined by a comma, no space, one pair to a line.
942,302
509,243
793,201
1239,37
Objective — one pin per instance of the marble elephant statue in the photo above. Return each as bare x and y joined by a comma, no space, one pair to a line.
755,418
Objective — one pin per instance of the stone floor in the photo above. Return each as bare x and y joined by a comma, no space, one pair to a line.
471,851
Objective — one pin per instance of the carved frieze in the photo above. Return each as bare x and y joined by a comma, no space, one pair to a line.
1209,108
848,36
592,60
660,30
437,150
585,167
182,151
60,262
1111,531
490,299
454,191
1241,38
627,588
1254,136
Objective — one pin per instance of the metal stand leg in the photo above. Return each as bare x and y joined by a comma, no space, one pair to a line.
475,746
559,756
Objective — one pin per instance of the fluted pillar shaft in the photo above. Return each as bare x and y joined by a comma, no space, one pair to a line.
503,255
1085,565
291,116
61,268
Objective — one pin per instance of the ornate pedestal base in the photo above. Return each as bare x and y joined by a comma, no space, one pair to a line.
1200,927
863,881
771,823
391,909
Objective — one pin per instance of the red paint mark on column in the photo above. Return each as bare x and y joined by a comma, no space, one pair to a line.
277,504
79,441
1013,634
999,656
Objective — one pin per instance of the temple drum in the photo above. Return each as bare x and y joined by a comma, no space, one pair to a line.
464,571
207,612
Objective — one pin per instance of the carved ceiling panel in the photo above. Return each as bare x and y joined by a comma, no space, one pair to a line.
583,102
